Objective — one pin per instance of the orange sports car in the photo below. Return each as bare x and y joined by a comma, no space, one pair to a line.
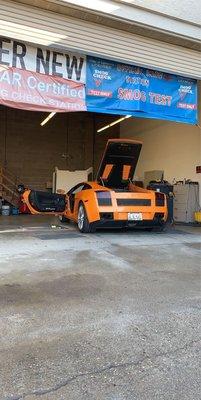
111,201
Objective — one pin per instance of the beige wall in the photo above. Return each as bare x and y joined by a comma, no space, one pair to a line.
172,147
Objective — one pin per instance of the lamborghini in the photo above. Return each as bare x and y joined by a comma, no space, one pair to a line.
113,200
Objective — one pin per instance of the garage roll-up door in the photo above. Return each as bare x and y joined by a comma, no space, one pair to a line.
46,28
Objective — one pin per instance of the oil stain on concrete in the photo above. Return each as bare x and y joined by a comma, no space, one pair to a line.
108,316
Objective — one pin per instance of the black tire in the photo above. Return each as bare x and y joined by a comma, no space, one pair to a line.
63,219
82,221
160,228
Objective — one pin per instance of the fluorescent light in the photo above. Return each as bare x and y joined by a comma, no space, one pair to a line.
47,118
114,123
97,5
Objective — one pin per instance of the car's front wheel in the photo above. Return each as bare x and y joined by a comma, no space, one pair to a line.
82,221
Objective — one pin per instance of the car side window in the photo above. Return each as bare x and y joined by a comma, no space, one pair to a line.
86,186
76,189
79,188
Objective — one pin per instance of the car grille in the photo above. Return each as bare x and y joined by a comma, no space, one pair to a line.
106,216
133,202
104,201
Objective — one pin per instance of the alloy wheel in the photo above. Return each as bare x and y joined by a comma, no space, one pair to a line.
81,216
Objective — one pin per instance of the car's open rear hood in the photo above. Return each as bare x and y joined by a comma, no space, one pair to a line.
119,162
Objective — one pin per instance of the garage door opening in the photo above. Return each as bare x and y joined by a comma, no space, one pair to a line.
85,95
74,142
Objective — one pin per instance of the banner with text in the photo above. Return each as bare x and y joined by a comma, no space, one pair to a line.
39,79
37,92
122,89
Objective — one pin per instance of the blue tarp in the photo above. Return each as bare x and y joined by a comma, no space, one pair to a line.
122,89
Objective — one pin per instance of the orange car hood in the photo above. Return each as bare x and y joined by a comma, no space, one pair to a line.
120,155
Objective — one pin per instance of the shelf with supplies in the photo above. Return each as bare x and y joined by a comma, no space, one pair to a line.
186,201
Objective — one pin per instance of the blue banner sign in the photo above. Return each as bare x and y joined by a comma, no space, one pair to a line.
123,89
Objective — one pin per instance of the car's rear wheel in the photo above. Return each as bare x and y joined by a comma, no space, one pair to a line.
159,228
63,219
82,221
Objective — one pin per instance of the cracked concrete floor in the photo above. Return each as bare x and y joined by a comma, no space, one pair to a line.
110,316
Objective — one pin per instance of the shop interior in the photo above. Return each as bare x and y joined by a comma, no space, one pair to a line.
51,152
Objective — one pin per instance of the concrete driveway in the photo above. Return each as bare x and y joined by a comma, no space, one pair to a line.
109,316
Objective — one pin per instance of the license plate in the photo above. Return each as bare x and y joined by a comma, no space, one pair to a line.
134,216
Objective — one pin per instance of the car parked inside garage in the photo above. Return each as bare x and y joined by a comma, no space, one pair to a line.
113,200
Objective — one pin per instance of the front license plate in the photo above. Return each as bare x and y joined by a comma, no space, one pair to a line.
134,216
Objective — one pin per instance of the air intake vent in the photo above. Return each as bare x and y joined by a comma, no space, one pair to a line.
107,216
133,202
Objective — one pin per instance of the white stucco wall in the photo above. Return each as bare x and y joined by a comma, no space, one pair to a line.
183,9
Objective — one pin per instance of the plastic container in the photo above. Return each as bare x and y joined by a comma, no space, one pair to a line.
5,210
197,216
15,211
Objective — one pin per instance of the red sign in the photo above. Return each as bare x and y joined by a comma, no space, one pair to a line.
38,92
